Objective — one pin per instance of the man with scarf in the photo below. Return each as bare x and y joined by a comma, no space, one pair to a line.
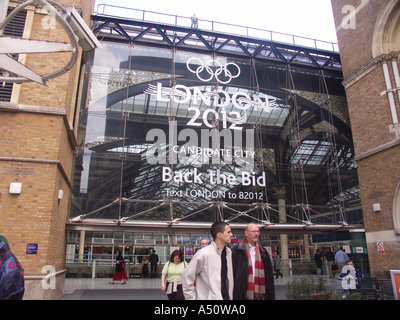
252,268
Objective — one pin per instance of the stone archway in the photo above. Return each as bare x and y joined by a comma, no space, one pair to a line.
396,210
386,38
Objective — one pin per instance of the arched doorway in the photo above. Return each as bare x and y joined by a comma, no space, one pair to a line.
396,210
386,38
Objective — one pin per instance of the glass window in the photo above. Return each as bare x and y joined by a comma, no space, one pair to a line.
162,125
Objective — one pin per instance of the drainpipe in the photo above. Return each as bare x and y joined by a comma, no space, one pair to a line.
390,90
396,77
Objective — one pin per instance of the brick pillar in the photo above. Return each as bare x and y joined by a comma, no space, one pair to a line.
37,149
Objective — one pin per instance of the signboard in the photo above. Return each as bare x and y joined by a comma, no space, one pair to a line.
300,242
190,147
380,247
286,263
31,248
395,275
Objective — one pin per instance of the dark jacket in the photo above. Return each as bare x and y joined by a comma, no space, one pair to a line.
240,264
12,283
153,258
119,264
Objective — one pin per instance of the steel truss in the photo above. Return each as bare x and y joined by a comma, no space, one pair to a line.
202,41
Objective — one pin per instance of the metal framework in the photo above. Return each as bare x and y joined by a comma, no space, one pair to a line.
214,43
308,158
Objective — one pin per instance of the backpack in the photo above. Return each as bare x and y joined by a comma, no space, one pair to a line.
12,284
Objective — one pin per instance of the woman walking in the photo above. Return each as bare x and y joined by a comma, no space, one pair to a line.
277,265
172,272
120,273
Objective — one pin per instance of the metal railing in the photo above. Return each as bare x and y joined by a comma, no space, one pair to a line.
96,266
176,20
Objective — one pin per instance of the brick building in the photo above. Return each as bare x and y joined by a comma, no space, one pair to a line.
368,36
38,137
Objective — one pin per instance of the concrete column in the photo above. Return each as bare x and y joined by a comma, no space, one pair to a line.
306,247
81,252
81,245
281,196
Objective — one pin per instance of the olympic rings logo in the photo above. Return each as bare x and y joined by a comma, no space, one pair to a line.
221,74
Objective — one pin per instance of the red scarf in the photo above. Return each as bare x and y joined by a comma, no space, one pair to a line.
256,279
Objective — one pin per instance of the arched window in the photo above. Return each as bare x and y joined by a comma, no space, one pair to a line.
386,38
396,210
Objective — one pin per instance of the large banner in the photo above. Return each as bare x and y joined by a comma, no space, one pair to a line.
189,127
217,134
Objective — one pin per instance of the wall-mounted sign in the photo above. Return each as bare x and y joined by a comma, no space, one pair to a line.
31,248
202,142
395,275
300,242
380,247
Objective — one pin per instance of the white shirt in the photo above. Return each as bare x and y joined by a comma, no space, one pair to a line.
252,251
205,270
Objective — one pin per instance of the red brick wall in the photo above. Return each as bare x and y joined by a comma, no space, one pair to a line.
383,263
355,44
369,112
370,116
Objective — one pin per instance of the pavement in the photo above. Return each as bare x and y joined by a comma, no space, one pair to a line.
149,289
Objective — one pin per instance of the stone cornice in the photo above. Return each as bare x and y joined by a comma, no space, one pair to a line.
368,68
15,107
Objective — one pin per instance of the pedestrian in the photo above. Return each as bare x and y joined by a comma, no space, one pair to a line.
318,261
277,265
203,243
341,259
211,268
347,275
145,268
172,273
252,268
12,283
329,258
120,272
195,22
153,263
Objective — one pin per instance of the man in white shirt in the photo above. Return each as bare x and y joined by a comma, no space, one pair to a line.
211,268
